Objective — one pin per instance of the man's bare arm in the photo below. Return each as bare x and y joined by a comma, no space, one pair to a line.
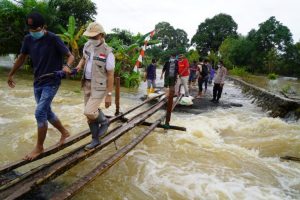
19,62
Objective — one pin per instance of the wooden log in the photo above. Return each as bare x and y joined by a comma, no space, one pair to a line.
177,101
69,141
291,158
104,166
117,96
67,161
178,128
169,105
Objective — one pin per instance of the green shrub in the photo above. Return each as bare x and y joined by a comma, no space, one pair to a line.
272,76
130,80
239,71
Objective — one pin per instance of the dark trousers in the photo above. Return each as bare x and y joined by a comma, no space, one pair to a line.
217,91
200,83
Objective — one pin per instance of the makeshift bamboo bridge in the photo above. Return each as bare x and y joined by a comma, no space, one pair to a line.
16,188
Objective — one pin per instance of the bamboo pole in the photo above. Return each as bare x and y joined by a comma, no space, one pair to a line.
67,161
169,106
69,141
291,158
178,128
32,172
104,166
117,96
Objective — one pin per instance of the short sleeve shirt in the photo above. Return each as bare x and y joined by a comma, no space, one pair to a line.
47,54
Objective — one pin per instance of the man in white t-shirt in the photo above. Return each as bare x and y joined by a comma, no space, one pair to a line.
219,82
97,80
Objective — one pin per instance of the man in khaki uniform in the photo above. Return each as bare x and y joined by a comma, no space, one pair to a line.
97,80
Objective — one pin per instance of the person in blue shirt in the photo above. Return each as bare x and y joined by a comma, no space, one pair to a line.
47,52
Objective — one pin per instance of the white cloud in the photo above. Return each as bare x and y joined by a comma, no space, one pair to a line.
141,15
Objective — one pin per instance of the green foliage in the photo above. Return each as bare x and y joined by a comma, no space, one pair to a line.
126,56
272,34
13,15
237,52
125,36
272,76
74,40
130,80
193,55
271,60
213,58
239,71
12,22
82,10
213,32
171,41
271,40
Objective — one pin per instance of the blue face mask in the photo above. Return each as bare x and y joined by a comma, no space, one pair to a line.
37,35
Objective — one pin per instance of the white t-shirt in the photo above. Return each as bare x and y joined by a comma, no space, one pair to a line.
110,64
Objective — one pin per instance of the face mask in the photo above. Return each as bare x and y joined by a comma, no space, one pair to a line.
37,35
94,42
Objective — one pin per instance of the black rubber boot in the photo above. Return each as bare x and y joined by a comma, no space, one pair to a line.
94,127
103,122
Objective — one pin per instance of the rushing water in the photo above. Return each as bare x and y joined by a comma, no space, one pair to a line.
224,154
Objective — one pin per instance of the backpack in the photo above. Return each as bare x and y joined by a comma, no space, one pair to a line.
204,71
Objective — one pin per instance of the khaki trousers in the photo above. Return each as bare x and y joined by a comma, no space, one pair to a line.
91,104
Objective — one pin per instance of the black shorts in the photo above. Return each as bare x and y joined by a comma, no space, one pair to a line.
169,81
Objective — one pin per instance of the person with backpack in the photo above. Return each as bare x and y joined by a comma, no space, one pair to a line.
202,76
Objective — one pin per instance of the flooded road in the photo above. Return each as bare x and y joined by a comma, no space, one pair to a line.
224,154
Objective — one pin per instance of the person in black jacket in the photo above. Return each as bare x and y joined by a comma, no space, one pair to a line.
170,70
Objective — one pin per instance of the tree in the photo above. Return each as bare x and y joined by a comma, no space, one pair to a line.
213,58
13,15
124,35
71,38
213,32
273,34
126,56
271,60
169,37
237,52
193,55
13,24
270,35
83,11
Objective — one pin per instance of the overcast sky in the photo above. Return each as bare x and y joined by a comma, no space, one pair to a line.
142,15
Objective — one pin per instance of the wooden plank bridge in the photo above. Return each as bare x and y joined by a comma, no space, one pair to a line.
18,187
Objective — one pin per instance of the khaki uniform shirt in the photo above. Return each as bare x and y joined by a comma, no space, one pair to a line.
99,76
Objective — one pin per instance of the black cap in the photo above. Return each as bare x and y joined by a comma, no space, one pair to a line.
35,20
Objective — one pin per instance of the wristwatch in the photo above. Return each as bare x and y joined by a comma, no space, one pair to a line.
109,93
